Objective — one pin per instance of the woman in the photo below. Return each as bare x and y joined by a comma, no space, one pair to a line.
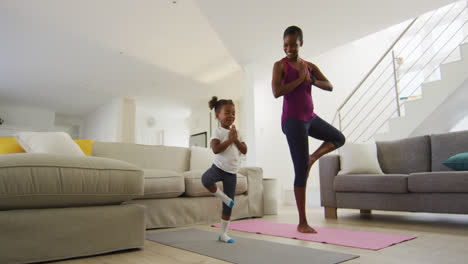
293,79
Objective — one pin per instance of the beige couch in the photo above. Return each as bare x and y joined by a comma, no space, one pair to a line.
174,195
56,207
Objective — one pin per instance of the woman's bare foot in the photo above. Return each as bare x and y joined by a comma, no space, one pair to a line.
305,228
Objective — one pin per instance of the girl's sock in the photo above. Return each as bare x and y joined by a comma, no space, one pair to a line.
223,235
226,200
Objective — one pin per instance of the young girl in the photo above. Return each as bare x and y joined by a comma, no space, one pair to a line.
227,146
293,78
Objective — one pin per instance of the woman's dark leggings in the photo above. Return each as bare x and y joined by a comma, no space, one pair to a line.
214,175
297,133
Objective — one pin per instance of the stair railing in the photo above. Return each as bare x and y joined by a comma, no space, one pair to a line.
413,58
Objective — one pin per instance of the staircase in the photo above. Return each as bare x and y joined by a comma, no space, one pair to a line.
425,65
434,93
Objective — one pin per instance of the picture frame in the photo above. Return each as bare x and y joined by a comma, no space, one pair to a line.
198,140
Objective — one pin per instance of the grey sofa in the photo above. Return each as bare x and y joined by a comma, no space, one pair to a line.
415,179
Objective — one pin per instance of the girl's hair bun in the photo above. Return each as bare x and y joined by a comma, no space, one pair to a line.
213,102
216,104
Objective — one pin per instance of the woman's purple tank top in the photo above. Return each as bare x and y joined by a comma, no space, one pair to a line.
297,104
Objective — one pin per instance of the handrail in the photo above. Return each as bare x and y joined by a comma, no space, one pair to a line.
403,89
466,38
417,54
401,51
377,64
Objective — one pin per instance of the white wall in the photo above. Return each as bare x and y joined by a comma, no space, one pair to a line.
344,66
27,117
199,120
171,121
105,123
18,118
71,124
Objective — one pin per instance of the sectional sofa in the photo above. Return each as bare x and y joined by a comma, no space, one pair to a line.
414,179
57,207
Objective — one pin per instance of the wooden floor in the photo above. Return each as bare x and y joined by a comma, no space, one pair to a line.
441,239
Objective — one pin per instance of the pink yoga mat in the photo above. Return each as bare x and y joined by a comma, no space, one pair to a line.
341,237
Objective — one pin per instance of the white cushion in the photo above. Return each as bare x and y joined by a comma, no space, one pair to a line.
359,159
201,158
59,143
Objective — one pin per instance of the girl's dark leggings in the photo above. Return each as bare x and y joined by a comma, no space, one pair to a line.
214,175
297,133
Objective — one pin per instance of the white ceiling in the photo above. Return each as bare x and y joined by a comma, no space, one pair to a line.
253,30
72,55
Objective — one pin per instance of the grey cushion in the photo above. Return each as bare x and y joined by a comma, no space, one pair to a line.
390,183
446,145
163,184
440,182
195,188
38,180
405,156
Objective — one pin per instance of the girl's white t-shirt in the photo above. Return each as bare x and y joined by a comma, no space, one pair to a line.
229,159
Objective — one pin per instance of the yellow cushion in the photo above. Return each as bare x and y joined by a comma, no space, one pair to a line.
10,146
86,146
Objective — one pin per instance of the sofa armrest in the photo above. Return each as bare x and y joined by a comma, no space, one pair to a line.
254,189
329,166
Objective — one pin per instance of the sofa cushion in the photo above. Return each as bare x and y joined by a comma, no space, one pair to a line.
389,183
145,156
201,158
163,184
446,145
405,156
439,182
39,180
195,188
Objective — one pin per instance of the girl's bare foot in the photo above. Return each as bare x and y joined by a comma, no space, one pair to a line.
305,228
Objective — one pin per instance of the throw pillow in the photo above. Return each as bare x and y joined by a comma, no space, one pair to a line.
359,159
10,146
201,158
86,146
48,142
458,162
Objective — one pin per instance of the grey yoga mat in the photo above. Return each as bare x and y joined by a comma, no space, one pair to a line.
244,250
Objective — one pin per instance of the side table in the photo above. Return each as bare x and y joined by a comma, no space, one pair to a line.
270,196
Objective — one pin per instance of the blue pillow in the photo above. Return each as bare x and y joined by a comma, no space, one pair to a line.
458,162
